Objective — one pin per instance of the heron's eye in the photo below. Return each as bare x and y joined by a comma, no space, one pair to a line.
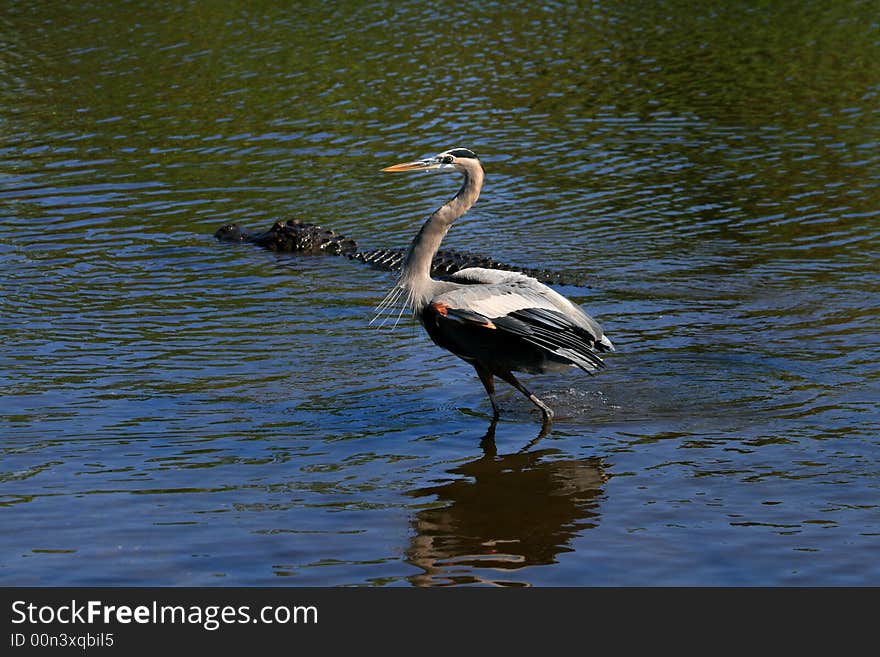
447,159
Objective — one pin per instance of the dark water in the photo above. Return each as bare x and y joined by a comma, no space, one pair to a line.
178,411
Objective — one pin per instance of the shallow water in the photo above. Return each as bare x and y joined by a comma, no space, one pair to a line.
176,411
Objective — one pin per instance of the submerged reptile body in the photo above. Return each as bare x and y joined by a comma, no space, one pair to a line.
295,236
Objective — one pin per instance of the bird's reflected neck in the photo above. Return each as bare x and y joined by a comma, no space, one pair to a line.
415,275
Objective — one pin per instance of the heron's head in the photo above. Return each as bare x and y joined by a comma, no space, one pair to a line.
455,159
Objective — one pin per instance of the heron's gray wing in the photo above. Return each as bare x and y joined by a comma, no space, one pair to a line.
494,293
528,314
494,296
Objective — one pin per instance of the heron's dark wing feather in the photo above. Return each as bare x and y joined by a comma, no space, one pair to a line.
555,333
464,315
545,317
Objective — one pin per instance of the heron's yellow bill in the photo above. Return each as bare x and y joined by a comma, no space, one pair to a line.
407,166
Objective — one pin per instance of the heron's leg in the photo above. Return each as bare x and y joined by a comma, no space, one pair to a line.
512,380
489,384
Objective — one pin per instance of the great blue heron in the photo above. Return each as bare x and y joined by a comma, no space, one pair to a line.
498,321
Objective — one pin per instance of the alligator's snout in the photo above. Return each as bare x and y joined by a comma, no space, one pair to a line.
231,233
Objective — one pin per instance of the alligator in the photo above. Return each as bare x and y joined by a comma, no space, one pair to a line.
295,236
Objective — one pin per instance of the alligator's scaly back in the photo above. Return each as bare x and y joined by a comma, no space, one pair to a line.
295,236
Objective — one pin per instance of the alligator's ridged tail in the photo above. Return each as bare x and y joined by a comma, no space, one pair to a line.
447,262
295,236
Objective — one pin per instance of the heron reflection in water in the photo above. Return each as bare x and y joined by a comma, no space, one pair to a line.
503,514
498,321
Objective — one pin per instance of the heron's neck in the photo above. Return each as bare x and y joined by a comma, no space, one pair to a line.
416,273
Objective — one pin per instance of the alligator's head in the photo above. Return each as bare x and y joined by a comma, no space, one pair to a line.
231,233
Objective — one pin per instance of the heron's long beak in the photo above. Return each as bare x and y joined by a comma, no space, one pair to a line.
418,165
